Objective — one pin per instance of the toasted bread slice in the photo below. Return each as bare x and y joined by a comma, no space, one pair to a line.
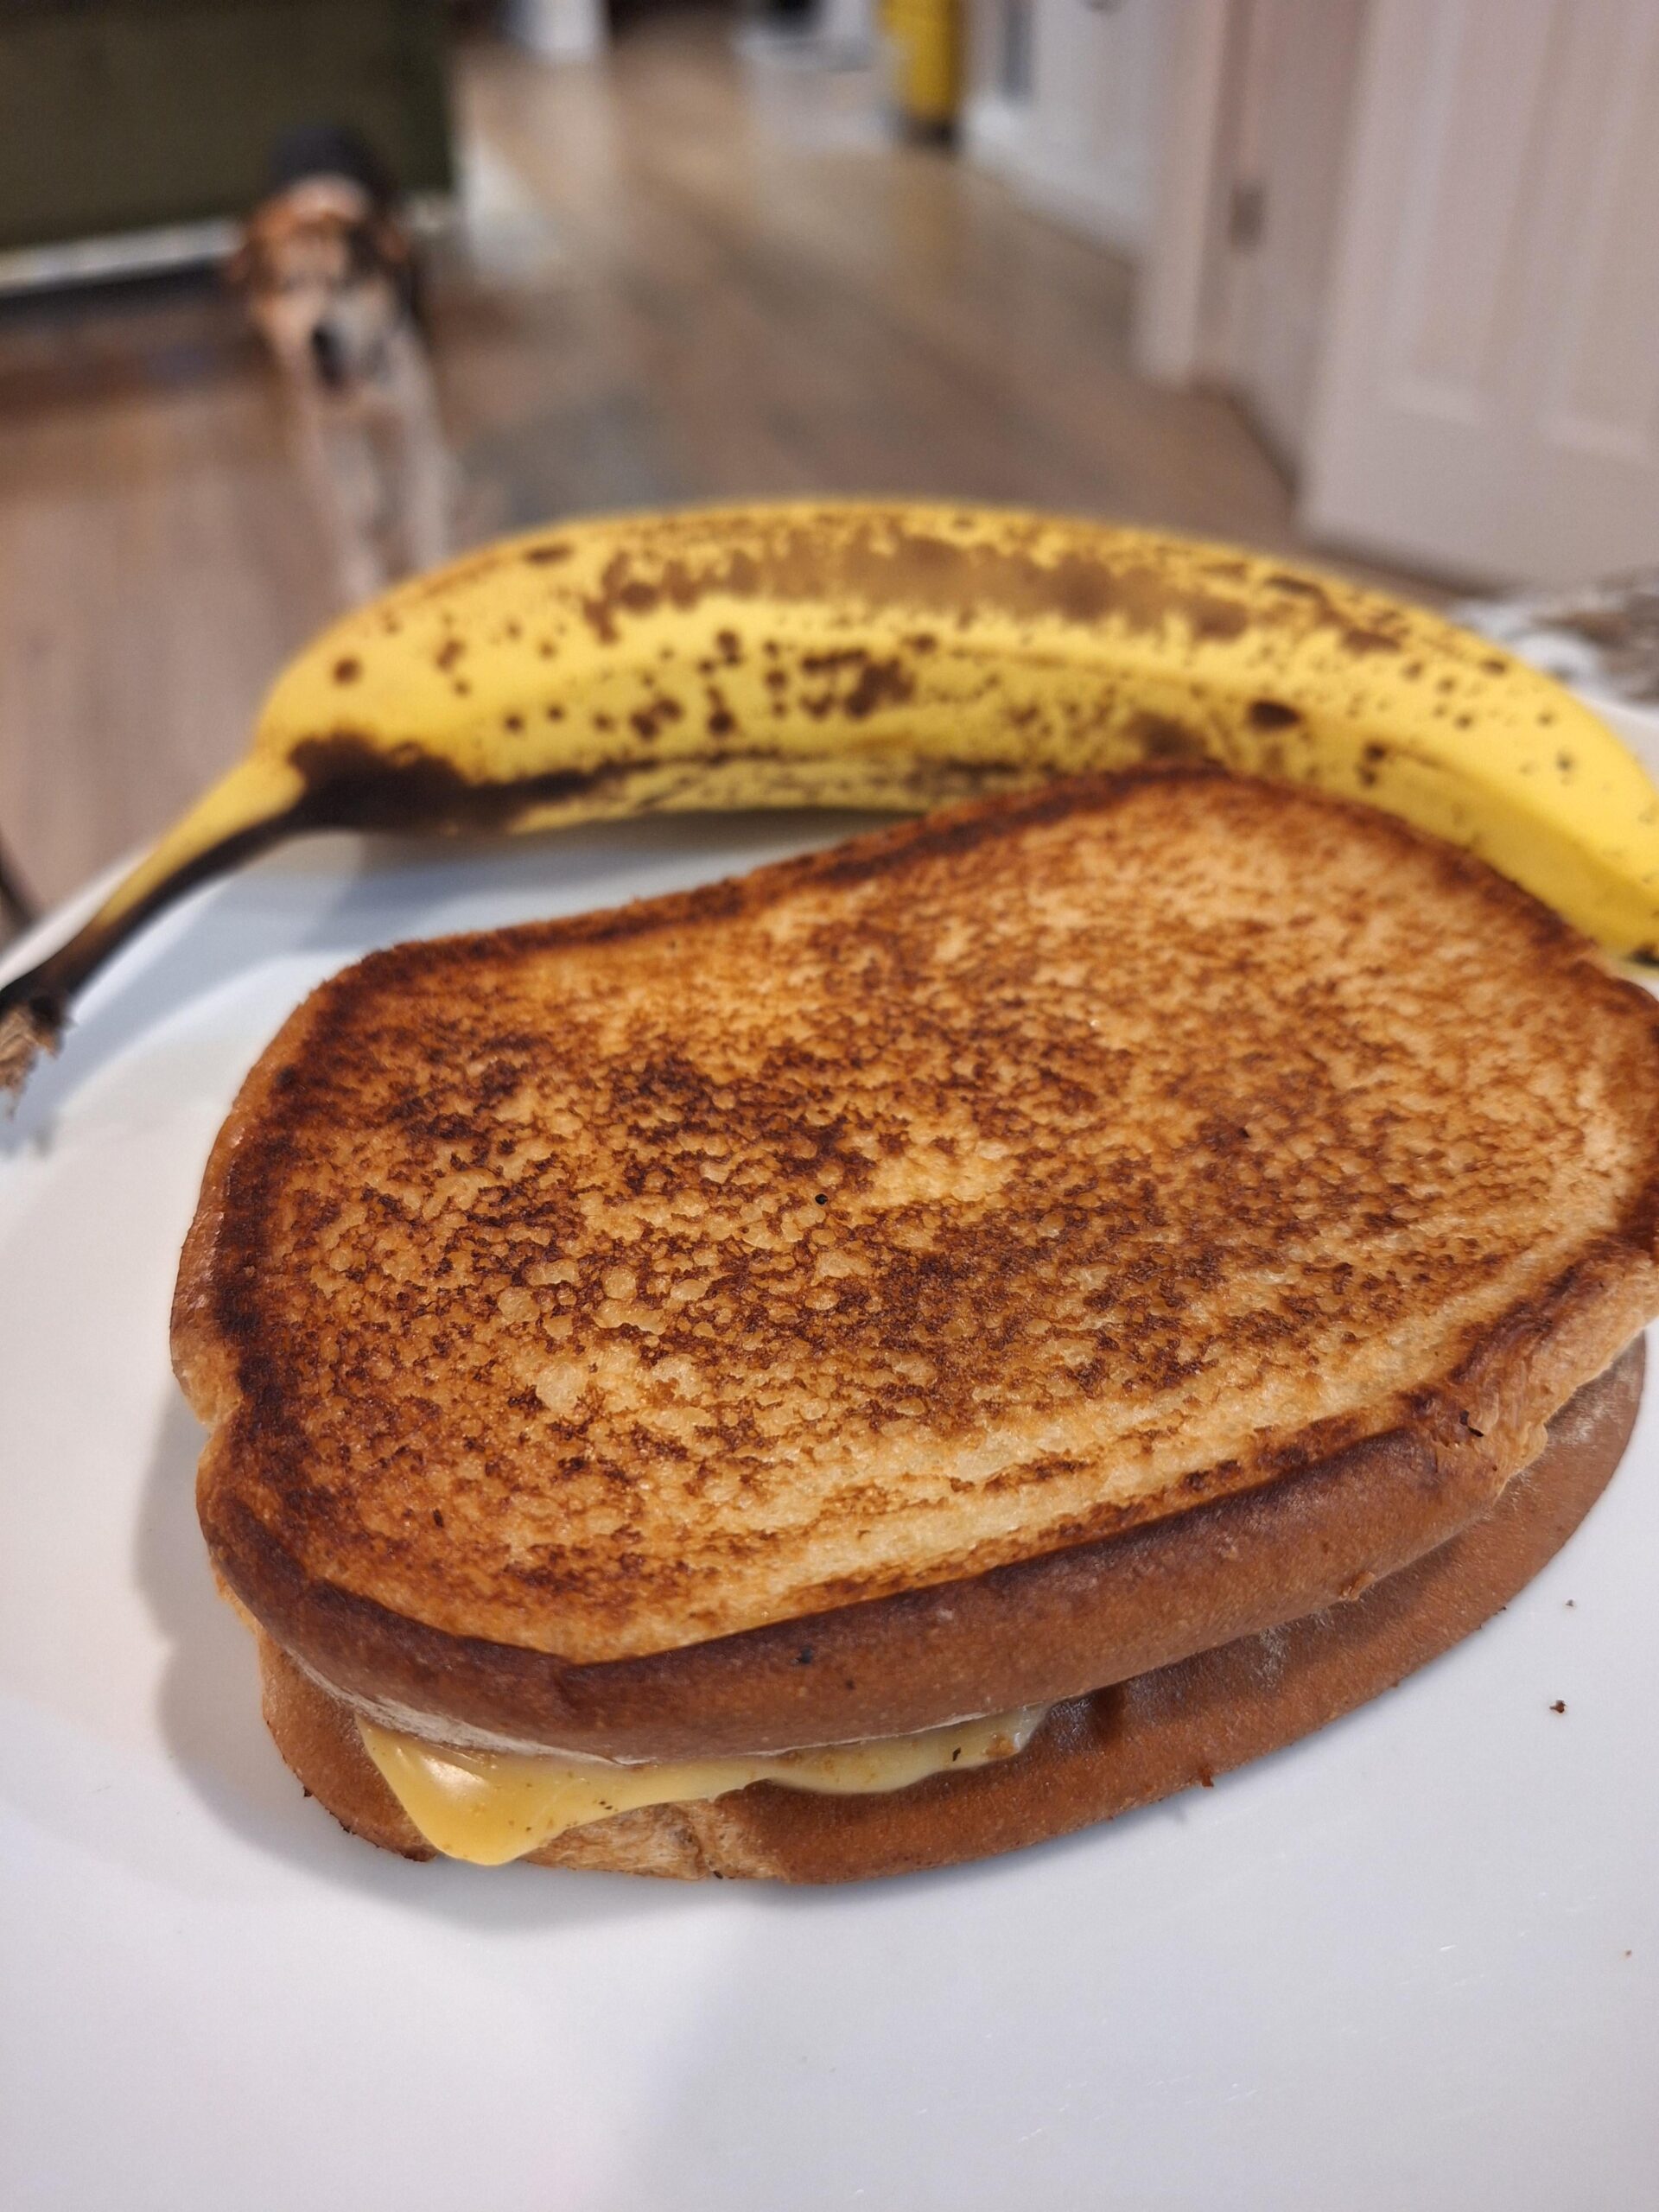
966,1266
1095,1756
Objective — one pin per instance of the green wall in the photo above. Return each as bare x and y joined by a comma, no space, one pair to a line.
114,117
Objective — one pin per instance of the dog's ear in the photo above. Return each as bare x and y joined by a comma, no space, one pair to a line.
395,250
389,242
239,270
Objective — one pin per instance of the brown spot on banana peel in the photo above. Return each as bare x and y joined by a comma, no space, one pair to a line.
1298,587
883,563
895,567
879,683
351,783
1371,759
1163,739
1356,638
1271,713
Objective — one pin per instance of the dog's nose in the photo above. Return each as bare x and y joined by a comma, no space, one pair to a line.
327,356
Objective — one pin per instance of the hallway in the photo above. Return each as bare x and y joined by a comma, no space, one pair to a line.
663,304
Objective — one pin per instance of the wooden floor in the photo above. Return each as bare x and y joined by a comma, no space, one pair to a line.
685,309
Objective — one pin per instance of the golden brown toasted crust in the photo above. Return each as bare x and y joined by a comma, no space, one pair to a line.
1179,1139
1043,1630
1095,1757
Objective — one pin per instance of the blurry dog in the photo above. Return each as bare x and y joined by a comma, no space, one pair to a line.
329,276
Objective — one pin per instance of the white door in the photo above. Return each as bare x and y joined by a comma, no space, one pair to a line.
1291,118
1488,397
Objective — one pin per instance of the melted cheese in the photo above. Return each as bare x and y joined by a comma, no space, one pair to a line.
492,1806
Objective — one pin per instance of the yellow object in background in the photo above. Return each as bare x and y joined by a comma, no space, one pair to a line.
926,40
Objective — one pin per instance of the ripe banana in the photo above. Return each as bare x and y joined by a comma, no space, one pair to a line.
889,656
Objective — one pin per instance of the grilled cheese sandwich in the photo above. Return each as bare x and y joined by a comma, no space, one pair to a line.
969,1271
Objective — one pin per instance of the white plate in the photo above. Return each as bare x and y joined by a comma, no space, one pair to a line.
1408,1965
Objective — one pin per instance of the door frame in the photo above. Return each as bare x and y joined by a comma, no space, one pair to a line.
1178,317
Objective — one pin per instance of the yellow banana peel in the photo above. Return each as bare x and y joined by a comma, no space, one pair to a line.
891,656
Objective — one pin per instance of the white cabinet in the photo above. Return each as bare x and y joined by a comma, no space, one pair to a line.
1063,100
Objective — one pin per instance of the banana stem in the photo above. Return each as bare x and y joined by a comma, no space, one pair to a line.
256,805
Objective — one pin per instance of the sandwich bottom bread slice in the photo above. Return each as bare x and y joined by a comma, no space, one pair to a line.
1088,1758
922,1348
